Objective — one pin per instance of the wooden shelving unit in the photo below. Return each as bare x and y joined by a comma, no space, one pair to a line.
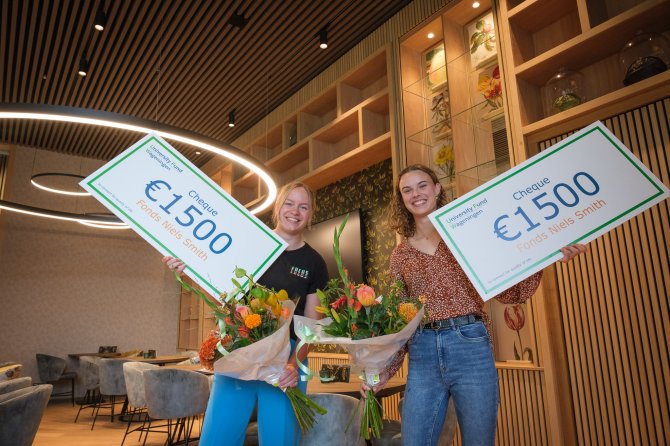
609,104
476,132
343,130
547,35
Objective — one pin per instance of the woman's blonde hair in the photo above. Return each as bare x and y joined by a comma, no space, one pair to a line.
281,198
400,219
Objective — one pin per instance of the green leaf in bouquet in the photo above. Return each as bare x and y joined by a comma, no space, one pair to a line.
322,310
258,293
335,315
240,272
336,251
237,284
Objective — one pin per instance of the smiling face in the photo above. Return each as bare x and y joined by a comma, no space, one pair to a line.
295,212
419,192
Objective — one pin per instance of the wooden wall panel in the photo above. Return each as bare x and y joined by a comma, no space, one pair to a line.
616,311
522,415
4,161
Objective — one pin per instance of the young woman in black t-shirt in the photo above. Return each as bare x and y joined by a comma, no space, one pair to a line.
299,270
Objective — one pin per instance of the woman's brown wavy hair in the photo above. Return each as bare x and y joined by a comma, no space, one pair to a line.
400,219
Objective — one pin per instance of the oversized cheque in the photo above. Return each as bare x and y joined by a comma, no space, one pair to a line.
183,213
573,192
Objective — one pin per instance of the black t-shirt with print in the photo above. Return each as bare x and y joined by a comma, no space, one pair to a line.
300,272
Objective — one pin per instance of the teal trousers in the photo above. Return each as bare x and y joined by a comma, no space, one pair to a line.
231,404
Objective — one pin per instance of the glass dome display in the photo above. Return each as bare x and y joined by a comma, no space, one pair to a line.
564,90
643,56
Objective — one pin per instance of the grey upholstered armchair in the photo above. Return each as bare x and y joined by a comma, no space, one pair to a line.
52,370
331,428
21,412
15,384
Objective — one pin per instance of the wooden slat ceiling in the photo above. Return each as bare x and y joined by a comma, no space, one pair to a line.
177,62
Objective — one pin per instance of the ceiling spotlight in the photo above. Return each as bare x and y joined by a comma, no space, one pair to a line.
100,19
83,66
431,35
475,5
231,118
237,20
323,38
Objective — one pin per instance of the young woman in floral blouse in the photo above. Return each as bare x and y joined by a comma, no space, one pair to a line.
451,355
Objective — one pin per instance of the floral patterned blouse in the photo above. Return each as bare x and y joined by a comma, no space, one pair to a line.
448,290
445,285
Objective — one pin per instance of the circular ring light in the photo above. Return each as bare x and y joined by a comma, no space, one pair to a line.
118,224
123,122
54,190
91,219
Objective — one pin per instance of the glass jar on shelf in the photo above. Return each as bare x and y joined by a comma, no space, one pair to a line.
565,90
645,55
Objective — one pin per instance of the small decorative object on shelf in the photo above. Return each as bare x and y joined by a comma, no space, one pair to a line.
149,354
564,90
334,373
645,55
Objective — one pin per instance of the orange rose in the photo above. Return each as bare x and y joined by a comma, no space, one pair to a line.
366,295
243,311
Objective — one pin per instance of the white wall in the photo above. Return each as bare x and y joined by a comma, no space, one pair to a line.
66,288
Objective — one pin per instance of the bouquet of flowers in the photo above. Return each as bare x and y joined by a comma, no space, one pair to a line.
252,339
372,328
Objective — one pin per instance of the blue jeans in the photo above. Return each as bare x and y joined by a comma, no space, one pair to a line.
452,362
231,403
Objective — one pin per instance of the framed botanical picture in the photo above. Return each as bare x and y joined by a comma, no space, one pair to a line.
442,160
513,337
482,40
487,91
435,67
440,115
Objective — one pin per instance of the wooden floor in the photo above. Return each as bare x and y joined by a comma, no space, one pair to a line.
58,429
